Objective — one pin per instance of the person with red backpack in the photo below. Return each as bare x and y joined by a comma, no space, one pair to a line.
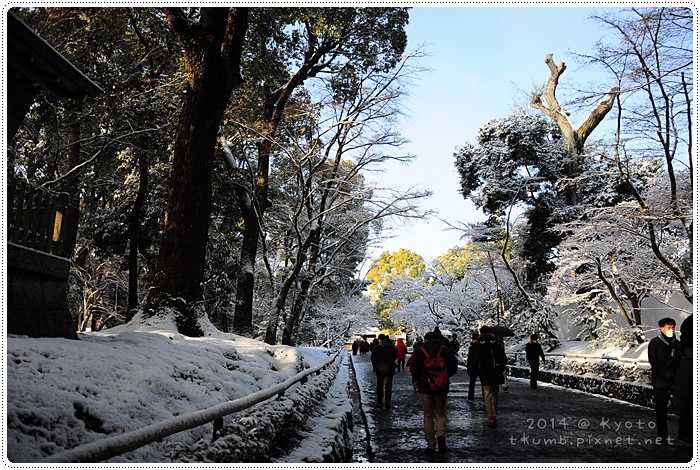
431,366
400,354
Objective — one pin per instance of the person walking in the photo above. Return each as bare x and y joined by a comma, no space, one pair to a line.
432,365
384,363
663,358
441,337
400,354
473,366
417,343
533,352
492,364
364,347
355,347
454,344
684,382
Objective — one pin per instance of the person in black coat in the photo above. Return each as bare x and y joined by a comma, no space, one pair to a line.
355,347
472,365
434,398
364,346
441,337
384,362
663,358
454,344
684,382
417,344
533,352
492,365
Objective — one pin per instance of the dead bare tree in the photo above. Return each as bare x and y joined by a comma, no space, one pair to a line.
575,137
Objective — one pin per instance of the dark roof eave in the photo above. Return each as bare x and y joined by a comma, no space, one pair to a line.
67,79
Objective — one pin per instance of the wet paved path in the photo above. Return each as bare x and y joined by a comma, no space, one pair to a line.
550,424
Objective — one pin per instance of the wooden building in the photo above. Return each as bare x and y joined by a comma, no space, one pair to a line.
41,226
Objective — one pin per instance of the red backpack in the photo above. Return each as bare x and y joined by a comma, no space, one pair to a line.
435,368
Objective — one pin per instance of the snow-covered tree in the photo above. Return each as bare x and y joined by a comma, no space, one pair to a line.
333,318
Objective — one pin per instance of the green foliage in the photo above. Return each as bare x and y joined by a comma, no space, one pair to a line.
455,262
389,266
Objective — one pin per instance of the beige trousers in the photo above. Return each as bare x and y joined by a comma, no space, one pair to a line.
434,416
490,399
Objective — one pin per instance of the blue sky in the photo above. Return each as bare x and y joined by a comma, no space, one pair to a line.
480,62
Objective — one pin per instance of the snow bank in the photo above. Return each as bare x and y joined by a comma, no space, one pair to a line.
626,364
328,435
269,430
64,393
585,349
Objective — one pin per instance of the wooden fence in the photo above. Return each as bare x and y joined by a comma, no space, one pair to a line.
40,220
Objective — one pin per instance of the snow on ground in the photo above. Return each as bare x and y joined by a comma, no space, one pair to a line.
586,349
366,396
627,364
322,434
62,393
268,431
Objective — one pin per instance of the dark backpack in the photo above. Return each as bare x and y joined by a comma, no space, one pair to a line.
490,357
435,369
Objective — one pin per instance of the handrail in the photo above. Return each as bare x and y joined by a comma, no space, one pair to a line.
112,446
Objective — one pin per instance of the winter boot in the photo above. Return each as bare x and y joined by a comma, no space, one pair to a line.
442,445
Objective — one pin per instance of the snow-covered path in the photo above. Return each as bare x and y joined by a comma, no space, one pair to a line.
326,434
551,424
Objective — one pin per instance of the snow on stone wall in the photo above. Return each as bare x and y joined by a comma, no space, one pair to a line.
267,431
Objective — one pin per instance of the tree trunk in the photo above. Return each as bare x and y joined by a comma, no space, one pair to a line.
575,138
134,235
274,108
212,59
500,309
271,333
295,315
281,301
636,310
183,245
73,182
292,323
245,283
291,326
613,294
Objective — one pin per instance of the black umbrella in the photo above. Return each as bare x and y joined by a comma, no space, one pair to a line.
501,331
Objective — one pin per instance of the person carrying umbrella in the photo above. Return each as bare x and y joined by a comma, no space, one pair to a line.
492,365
